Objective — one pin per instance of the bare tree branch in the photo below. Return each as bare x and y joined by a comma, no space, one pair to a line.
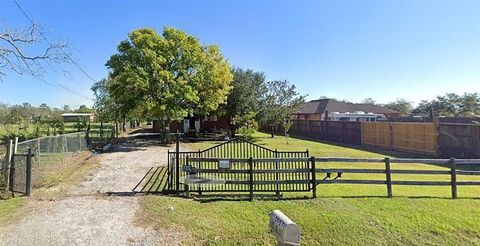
25,51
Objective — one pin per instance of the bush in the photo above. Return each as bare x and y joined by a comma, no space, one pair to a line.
246,132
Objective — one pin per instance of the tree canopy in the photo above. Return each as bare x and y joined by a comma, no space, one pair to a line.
279,102
243,100
451,104
167,76
401,105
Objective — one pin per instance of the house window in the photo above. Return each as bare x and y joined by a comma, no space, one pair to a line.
211,118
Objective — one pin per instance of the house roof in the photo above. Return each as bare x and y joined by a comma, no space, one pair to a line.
331,105
76,114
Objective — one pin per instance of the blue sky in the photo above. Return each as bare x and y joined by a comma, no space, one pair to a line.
413,49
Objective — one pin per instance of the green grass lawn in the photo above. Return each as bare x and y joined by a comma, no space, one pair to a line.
341,215
8,208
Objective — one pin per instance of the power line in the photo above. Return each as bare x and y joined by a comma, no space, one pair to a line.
58,85
51,44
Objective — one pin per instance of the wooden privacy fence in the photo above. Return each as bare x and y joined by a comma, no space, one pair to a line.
408,137
277,175
337,131
426,138
459,140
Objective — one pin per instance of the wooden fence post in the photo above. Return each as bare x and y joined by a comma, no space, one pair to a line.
250,162
453,177
388,174
28,181
314,177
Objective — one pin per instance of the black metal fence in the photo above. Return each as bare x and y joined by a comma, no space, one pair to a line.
20,176
178,170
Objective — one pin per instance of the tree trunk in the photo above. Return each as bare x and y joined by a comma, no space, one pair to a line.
273,131
233,131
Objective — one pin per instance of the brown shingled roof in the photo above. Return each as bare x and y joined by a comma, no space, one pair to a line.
322,105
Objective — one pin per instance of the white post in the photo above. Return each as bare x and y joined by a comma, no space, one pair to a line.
15,146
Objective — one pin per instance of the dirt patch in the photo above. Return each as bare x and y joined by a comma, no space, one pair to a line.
87,215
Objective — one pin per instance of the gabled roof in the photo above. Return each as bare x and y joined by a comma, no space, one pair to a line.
76,114
331,105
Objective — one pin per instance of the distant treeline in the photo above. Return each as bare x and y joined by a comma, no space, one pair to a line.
26,121
16,114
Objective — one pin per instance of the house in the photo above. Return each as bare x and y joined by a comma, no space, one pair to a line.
333,110
73,117
195,125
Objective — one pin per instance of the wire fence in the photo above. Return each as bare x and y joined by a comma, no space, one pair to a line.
50,155
3,173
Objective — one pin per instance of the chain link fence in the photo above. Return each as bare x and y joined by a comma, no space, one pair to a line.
52,155
51,149
3,173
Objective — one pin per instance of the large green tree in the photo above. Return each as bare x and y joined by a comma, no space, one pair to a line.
403,106
451,105
168,76
243,100
279,102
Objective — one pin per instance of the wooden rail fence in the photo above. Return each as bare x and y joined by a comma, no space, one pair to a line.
286,175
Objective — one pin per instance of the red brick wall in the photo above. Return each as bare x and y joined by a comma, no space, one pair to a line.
221,123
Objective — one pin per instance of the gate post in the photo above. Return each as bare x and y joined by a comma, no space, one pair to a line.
314,177
28,181
12,174
177,162
250,162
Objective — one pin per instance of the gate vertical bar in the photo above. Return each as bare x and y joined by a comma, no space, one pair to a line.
187,188
177,162
277,178
250,162
28,181
200,167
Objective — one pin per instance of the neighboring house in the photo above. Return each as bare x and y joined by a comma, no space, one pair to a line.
333,110
196,124
72,117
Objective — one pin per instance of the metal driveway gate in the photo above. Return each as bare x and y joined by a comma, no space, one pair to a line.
179,171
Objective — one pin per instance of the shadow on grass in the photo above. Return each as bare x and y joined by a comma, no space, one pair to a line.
408,197
246,198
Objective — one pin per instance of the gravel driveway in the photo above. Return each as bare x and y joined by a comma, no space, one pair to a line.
87,216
